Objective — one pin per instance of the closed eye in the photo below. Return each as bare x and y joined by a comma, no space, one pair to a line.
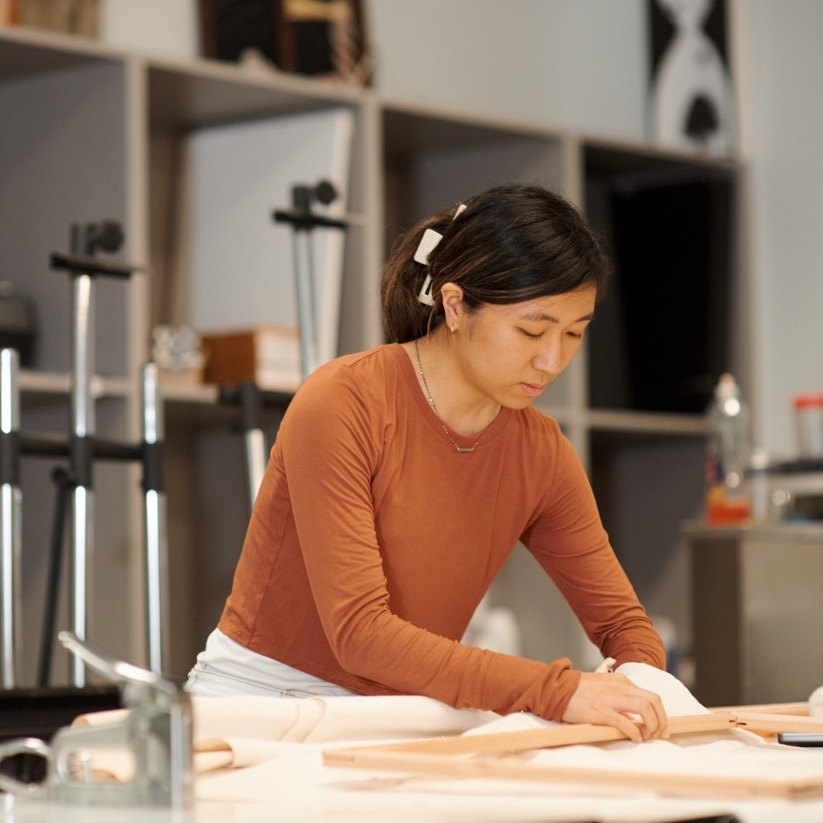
531,335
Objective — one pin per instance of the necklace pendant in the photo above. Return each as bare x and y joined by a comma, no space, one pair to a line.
460,449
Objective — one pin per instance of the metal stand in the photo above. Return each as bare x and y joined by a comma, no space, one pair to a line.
254,438
247,395
303,221
251,400
82,448
10,508
157,565
83,426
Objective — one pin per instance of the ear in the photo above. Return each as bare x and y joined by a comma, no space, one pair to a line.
452,296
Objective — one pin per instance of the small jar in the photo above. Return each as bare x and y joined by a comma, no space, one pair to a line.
808,413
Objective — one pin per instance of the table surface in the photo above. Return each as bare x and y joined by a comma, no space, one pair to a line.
529,807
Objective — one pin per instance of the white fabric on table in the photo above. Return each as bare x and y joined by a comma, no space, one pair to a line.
240,731
269,751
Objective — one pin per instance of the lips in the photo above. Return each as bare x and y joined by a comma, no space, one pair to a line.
533,389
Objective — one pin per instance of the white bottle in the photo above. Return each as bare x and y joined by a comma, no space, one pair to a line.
728,454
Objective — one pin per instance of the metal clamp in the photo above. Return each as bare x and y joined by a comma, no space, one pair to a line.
156,733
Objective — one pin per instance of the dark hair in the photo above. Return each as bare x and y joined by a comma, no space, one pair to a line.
512,243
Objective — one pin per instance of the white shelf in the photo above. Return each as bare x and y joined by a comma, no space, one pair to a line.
51,383
647,422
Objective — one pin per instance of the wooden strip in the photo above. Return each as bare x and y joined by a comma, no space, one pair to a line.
484,768
548,737
768,708
436,756
760,722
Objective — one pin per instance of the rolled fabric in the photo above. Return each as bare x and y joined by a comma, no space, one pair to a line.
816,702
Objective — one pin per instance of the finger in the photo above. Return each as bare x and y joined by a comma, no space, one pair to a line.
663,718
652,715
623,723
656,718
645,705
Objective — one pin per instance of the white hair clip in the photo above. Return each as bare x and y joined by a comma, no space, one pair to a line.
425,294
428,243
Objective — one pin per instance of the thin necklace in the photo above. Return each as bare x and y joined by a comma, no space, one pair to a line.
460,449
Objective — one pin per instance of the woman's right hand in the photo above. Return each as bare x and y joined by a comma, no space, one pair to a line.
609,699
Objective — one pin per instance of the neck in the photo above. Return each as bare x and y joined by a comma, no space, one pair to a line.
441,380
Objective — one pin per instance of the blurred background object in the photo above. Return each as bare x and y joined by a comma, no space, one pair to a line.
71,16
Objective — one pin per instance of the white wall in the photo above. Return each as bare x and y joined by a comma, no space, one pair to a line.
783,150
576,63
164,27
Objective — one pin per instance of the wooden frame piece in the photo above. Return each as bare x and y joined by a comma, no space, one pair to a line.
548,737
481,757
770,723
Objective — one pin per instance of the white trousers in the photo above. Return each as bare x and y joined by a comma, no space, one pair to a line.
227,668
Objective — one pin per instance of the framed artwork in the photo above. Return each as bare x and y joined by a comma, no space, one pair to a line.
692,101
311,37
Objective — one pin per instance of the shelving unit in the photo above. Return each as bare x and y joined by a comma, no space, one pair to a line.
91,133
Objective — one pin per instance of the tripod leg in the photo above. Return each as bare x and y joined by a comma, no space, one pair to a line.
254,437
83,429
255,461
64,484
304,283
10,519
157,567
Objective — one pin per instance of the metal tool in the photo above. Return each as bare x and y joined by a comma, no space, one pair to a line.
155,732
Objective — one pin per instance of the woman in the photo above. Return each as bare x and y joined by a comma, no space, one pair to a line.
402,478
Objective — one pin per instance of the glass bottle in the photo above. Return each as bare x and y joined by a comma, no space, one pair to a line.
728,454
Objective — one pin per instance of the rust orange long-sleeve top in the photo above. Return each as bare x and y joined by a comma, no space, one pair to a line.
372,542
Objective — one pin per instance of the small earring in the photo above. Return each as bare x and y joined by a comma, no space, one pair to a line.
453,329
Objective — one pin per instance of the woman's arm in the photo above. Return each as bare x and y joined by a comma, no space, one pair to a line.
568,540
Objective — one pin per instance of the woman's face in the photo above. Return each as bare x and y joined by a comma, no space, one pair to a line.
510,353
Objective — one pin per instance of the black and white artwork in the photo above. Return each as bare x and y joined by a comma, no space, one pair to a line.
692,98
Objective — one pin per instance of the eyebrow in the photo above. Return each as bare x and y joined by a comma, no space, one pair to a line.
541,315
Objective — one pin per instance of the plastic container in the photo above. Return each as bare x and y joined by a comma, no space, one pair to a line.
808,415
728,453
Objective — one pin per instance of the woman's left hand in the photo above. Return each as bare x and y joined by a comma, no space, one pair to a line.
609,699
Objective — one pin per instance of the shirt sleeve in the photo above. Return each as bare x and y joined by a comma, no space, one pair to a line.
570,543
330,449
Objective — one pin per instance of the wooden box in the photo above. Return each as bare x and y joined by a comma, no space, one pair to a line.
268,356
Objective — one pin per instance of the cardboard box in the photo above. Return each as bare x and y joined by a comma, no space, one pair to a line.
267,355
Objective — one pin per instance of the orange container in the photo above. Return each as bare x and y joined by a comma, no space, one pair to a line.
808,415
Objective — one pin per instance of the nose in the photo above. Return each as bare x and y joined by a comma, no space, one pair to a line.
551,359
